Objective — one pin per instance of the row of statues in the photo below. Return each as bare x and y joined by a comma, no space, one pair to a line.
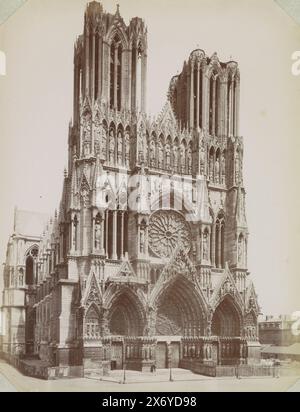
217,169
113,147
167,157
117,148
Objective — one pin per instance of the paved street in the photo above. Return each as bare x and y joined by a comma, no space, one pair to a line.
184,381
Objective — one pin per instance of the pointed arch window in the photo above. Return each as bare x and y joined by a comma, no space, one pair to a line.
214,94
115,72
217,170
205,245
211,164
219,241
30,268
198,88
92,325
136,78
212,89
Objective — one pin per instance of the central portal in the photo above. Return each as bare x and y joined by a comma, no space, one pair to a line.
168,353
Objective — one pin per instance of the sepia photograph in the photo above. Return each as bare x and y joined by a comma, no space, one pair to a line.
150,225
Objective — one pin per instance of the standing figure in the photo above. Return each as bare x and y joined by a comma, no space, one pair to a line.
168,156
223,169
127,149
97,233
142,144
189,160
111,147
97,133
211,168
152,153
160,156
142,240
217,171
175,158
182,158
202,160
87,126
103,143
86,148
120,149
205,246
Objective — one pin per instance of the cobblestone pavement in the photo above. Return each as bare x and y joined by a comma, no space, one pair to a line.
183,381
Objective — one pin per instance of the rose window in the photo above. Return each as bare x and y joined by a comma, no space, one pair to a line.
167,230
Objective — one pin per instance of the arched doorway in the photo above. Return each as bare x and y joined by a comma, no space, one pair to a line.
226,324
226,320
179,313
126,319
125,316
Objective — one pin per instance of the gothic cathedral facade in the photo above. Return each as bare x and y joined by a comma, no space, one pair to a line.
145,262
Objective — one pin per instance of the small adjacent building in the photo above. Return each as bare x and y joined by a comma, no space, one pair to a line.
277,330
291,352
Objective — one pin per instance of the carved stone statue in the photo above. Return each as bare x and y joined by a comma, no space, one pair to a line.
142,144
211,168
189,160
97,131
127,149
182,158
168,156
97,147
175,158
103,142
142,240
152,153
85,197
160,156
223,169
202,160
86,148
217,170
205,246
97,234
111,147
120,149
21,277
86,134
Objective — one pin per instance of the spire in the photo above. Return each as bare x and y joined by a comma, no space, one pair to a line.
118,10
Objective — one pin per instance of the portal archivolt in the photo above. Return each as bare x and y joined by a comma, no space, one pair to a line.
126,316
226,320
179,310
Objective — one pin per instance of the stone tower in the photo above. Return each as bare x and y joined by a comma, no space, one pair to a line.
146,262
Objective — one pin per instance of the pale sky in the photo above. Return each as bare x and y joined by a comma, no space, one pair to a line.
36,107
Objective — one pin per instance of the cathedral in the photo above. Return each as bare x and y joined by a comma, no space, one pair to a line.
144,264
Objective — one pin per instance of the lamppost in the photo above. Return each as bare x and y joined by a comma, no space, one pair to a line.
124,374
171,377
